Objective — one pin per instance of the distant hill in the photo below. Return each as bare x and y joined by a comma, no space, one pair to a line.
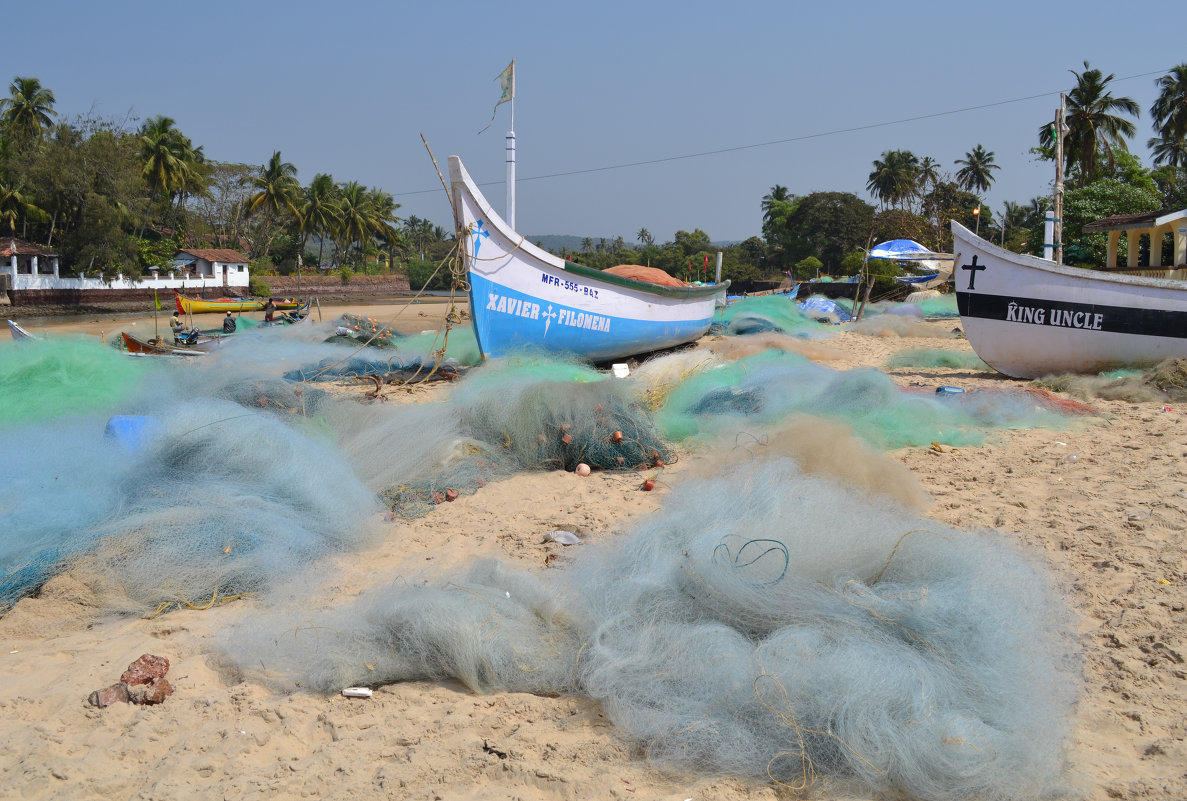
572,244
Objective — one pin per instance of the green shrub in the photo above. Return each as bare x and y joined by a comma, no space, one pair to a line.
259,287
344,274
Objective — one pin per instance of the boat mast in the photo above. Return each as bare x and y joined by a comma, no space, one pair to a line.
1057,229
511,162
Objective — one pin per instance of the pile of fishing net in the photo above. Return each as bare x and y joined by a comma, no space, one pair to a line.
937,357
553,415
763,624
396,358
65,375
219,499
763,313
762,389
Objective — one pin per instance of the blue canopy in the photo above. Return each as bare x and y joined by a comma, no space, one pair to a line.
902,250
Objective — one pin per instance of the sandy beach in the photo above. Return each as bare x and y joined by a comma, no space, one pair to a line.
1102,503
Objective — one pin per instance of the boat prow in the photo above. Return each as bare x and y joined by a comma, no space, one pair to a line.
521,296
1028,317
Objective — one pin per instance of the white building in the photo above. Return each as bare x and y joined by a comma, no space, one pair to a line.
25,267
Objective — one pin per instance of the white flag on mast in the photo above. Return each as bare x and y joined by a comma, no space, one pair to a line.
506,81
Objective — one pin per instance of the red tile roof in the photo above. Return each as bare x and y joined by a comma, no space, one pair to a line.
11,246
216,254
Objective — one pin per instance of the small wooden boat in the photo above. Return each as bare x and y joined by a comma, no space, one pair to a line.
1027,317
145,348
20,334
521,296
191,305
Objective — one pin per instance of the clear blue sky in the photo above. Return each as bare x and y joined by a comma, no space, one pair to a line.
347,88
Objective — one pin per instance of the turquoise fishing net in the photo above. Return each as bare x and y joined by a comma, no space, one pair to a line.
762,389
770,313
763,624
63,376
937,357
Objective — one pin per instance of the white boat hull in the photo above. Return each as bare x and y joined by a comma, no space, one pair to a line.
521,296
1028,317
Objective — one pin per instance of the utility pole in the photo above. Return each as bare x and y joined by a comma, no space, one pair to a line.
1057,228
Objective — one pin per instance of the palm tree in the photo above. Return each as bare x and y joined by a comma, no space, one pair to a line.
14,206
894,177
28,111
778,194
357,223
586,245
169,162
977,172
319,212
1169,113
645,238
277,192
1091,127
929,175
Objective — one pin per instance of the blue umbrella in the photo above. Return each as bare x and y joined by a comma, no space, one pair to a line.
901,250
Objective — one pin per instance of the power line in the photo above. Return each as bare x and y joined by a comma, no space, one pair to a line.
788,140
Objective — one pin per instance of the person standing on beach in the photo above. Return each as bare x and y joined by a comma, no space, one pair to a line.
228,324
269,311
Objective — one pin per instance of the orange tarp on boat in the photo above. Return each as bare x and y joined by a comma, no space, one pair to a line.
652,275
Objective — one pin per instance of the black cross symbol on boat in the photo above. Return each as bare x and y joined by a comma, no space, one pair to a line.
972,268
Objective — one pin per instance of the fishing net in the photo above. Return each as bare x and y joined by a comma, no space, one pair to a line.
768,387
764,623
223,500
64,376
553,415
893,325
764,313
937,357
937,306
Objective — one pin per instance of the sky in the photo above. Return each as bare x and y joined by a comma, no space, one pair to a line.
628,114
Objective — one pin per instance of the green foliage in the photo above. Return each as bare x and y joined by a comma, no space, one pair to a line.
344,273
828,225
259,287
155,252
808,268
421,275
883,273
853,261
1096,201
262,266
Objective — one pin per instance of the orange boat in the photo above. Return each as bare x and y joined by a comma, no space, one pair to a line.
143,348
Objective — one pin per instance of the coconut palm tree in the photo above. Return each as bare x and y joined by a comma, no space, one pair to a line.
169,163
1092,128
28,111
319,212
277,193
1169,113
778,194
977,173
645,238
358,223
894,177
15,206
929,175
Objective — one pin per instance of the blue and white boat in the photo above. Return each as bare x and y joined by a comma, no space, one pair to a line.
521,296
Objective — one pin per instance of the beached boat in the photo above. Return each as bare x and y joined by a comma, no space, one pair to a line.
521,296
190,305
1027,317
145,348
20,334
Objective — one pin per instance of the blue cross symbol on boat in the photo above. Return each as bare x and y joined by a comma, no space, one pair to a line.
479,233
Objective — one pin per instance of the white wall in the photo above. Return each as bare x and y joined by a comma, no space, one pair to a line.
169,281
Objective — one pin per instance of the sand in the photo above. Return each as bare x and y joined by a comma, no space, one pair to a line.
1109,522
